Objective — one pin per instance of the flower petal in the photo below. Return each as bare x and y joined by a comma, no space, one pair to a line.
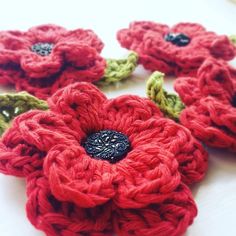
76,177
48,33
32,134
83,102
190,29
149,174
122,111
212,121
63,218
177,140
39,67
87,37
172,217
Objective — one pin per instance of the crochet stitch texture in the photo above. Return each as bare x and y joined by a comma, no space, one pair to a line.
12,105
48,57
207,103
159,46
70,193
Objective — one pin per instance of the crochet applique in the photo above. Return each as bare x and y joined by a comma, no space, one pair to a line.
207,103
74,187
48,57
178,50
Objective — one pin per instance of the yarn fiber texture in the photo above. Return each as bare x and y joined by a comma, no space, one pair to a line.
207,102
170,104
156,52
74,56
70,193
48,57
12,105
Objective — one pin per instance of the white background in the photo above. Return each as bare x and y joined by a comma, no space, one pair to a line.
216,195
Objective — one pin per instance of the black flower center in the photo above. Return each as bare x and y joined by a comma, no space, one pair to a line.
108,145
42,49
178,39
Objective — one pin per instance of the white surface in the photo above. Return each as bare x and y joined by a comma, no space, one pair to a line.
216,195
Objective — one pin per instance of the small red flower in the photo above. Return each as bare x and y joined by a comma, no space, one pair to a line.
48,57
210,100
177,50
94,152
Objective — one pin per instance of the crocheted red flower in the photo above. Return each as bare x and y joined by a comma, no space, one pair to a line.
177,50
48,57
210,100
93,152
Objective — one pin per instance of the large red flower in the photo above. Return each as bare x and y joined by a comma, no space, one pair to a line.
48,57
93,152
177,50
210,100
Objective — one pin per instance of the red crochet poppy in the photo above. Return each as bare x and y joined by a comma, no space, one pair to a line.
157,155
48,57
210,100
177,50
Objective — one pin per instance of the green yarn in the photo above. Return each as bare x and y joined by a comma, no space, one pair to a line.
169,104
120,69
12,105
233,39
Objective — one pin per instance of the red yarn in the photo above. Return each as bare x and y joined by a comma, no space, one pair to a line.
144,189
170,217
210,98
74,57
155,53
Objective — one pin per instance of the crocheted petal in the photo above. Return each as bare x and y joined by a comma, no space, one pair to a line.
223,48
190,29
17,157
76,177
187,88
150,174
9,76
44,129
55,218
214,78
39,67
89,74
152,63
87,37
213,122
133,36
26,142
176,139
47,33
77,54
171,217
83,102
12,44
122,111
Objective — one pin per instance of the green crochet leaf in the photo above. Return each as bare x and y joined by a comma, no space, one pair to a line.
119,69
12,105
169,104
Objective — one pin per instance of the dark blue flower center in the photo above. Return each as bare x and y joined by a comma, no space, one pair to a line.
178,39
42,49
107,145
